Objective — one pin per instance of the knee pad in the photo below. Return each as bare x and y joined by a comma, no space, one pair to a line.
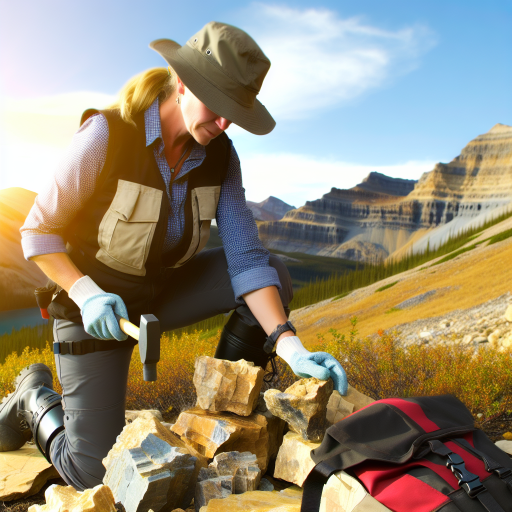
44,416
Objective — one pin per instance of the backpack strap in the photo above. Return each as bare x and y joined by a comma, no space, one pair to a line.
490,464
314,484
468,481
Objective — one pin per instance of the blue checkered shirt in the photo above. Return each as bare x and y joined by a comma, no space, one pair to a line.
75,179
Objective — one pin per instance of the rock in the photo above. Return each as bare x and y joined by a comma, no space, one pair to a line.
275,428
265,485
507,436
480,339
131,416
303,406
226,385
134,433
155,475
229,473
257,501
64,499
505,445
211,433
338,408
426,335
294,460
343,492
494,337
508,314
468,338
358,399
23,473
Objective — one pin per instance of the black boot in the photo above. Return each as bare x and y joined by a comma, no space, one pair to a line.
239,340
33,406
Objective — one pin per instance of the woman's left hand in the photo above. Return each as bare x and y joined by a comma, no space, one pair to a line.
304,363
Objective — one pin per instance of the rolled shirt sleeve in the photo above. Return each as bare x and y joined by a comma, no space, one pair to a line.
248,259
72,184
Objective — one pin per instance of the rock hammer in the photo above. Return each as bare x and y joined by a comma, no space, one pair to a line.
148,336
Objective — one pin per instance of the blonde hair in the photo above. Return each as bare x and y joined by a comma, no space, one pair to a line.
142,89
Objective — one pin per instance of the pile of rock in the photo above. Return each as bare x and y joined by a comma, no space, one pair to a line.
486,325
216,453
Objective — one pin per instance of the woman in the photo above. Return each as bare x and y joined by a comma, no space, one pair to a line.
133,202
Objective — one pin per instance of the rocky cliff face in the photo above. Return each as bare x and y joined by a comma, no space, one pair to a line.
271,208
383,215
18,277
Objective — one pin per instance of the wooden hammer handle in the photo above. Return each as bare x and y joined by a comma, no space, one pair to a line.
128,328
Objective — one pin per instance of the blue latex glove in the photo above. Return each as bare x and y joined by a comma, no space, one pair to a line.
320,365
99,318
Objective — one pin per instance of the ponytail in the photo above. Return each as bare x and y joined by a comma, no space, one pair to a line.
142,89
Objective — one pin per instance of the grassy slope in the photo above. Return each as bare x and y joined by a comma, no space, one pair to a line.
476,276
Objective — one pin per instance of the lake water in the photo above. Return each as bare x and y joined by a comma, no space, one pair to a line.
19,318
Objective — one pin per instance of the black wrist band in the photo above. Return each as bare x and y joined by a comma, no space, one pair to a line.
272,338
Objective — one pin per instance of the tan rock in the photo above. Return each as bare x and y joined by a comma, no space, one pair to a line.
131,416
508,314
505,445
23,473
358,399
226,385
338,408
275,428
343,492
303,406
64,499
210,433
294,460
256,501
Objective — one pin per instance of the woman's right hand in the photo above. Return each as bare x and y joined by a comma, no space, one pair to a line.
98,315
99,309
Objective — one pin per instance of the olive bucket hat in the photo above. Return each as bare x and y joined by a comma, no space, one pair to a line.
224,68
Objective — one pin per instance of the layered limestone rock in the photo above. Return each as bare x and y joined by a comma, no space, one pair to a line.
211,433
23,473
303,406
226,385
258,501
61,499
343,492
154,476
229,473
338,408
384,215
294,461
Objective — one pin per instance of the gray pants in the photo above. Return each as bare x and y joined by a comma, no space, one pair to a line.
94,385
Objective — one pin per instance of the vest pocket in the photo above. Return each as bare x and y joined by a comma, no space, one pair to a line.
204,208
127,228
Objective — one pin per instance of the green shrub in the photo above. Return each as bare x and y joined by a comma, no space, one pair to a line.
385,287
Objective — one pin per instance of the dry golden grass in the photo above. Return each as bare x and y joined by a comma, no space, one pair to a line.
474,277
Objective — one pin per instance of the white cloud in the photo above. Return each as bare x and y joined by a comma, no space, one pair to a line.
320,60
299,178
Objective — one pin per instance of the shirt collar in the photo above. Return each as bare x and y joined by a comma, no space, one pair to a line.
154,131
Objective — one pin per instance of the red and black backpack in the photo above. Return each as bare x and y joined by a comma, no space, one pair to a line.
415,455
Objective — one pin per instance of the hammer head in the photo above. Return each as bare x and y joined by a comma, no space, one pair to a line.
149,345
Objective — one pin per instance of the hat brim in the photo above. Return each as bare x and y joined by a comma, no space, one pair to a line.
255,119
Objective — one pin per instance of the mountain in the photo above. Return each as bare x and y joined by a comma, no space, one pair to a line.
271,208
384,216
18,277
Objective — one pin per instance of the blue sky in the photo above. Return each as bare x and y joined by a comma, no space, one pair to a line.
391,86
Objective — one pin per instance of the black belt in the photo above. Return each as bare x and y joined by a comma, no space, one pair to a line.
79,348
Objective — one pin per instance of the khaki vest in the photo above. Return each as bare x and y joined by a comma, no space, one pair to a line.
118,235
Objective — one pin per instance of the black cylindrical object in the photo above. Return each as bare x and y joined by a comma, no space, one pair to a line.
242,341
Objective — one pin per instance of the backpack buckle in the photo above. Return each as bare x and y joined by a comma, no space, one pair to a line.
503,472
468,481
